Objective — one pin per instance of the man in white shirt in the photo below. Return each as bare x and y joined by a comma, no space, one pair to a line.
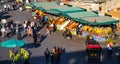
27,1
8,7
5,7
3,32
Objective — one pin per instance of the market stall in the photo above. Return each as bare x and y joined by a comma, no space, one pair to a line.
62,23
72,27
97,32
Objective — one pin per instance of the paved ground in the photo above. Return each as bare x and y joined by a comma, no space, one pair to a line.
73,53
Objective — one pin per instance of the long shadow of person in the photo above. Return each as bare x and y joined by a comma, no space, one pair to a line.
29,45
37,45
24,36
13,31
43,37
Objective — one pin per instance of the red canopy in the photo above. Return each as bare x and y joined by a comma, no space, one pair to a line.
93,46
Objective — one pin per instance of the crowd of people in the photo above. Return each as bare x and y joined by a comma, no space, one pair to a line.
16,4
32,29
53,56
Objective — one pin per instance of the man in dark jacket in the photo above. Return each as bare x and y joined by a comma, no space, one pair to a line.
47,54
34,36
19,35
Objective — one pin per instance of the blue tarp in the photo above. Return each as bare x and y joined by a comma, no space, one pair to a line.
84,34
99,39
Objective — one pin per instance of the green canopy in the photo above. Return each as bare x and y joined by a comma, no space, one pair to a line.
101,20
12,43
82,14
42,9
30,5
69,9
80,20
54,12
53,7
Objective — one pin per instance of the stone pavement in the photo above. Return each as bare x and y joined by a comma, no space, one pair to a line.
73,50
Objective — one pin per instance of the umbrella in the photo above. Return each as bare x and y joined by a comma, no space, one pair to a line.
13,43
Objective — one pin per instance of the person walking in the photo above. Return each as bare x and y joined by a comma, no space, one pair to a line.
51,26
24,26
44,19
48,30
27,1
3,32
8,7
19,35
47,54
38,37
54,27
29,30
14,6
51,57
35,36
54,49
8,32
5,7
59,50
56,57
109,47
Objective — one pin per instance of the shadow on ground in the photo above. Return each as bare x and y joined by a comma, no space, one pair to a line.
6,16
78,57
31,45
